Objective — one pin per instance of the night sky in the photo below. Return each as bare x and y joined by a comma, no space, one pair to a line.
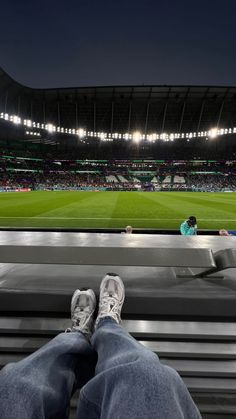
59,43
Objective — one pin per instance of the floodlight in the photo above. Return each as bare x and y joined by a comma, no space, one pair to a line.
136,136
213,133
49,127
28,123
16,119
164,136
81,132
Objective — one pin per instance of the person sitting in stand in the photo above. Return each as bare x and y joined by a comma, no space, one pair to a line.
189,227
224,232
129,230
118,377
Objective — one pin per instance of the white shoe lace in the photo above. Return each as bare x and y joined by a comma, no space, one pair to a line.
110,306
82,319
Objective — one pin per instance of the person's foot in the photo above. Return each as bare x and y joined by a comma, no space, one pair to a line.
83,305
111,299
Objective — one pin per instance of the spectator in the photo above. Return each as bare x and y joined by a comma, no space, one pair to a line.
119,377
223,232
129,230
189,227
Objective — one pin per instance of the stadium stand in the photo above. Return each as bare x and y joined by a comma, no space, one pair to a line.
122,179
35,173
111,179
167,179
179,179
155,180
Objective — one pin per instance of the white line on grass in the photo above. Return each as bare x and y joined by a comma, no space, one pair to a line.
111,218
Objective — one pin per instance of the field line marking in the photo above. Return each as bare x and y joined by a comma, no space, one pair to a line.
111,218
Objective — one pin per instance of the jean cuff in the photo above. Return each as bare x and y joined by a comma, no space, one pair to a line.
105,320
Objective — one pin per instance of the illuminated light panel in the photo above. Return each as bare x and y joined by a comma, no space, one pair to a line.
28,123
36,134
15,119
213,133
50,128
80,132
137,136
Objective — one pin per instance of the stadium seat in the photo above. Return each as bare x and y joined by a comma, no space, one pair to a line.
188,322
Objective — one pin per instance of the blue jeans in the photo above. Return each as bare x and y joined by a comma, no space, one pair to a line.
119,378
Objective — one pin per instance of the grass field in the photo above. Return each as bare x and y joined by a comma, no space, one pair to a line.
117,209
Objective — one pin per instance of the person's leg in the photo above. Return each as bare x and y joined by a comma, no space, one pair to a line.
40,386
130,381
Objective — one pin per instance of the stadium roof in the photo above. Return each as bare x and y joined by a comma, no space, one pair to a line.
122,108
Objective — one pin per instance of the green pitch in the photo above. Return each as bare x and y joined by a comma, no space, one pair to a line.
117,209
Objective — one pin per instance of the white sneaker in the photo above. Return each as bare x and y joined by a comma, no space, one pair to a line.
83,305
112,295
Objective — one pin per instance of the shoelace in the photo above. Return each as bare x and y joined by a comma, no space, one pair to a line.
110,306
81,317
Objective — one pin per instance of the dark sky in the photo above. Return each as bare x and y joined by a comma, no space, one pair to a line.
61,43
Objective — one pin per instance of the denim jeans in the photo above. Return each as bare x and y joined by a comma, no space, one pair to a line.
119,379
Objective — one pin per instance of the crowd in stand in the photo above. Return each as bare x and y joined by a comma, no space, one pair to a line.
211,182
69,180
47,174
